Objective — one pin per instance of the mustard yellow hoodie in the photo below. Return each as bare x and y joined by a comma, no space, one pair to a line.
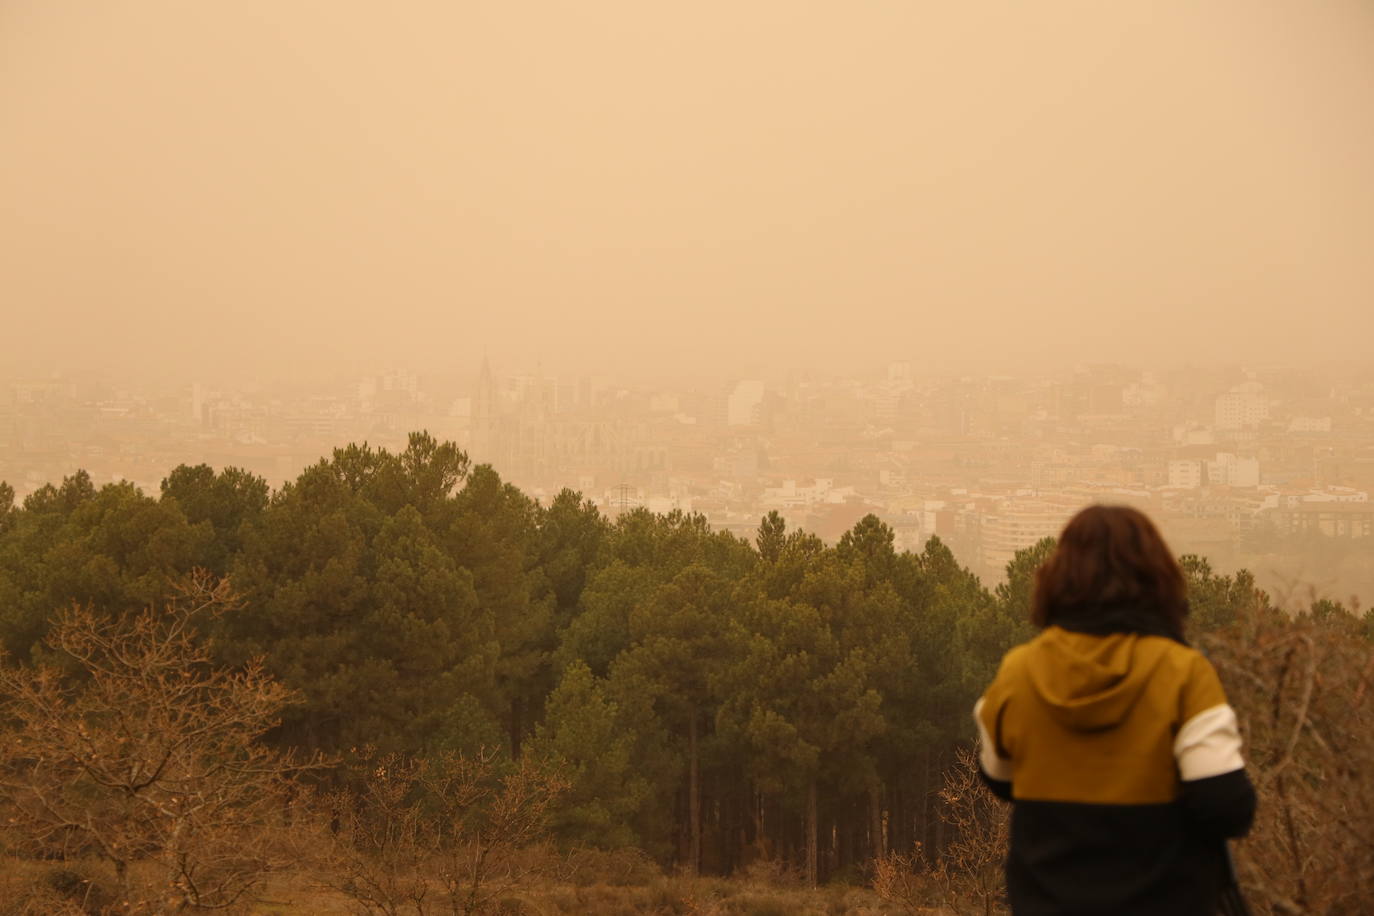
1093,718
1122,758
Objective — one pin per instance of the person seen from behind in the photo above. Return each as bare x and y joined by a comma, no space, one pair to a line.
1112,737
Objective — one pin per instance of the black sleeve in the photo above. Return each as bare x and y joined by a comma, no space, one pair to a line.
1221,806
999,787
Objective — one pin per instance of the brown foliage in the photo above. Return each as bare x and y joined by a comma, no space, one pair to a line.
143,752
1301,688
440,834
967,875
904,879
585,866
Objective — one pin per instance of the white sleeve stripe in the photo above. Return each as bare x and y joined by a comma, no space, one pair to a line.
994,766
1208,744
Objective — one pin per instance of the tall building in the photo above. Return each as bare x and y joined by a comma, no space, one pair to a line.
484,415
1243,407
1016,525
742,406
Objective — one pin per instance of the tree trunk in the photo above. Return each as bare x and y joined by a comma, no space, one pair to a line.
763,850
693,797
846,839
937,846
811,838
877,845
682,826
517,725
926,836
897,815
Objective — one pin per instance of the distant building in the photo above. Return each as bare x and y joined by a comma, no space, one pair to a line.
662,505
1332,519
1224,470
742,406
1334,495
887,401
485,415
1309,425
830,521
1230,471
1185,473
1193,435
1016,525
1146,392
1243,407
808,493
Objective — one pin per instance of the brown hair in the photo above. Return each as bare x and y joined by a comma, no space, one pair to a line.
1110,556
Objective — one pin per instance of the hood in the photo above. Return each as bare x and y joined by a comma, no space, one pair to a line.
1090,682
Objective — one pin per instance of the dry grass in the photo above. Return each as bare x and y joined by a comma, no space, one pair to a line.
666,896
674,896
48,889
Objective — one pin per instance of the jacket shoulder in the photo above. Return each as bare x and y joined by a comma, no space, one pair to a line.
1201,688
1009,671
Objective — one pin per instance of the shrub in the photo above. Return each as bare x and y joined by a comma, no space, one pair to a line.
1302,689
618,867
83,887
134,748
454,823
968,876
774,872
758,905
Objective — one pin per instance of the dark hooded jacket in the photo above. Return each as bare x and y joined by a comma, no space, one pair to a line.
1122,760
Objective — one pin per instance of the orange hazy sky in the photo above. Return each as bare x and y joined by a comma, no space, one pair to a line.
279,186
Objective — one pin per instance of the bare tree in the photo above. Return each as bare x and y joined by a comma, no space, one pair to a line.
967,876
439,833
140,750
1301,687
381,838
904,879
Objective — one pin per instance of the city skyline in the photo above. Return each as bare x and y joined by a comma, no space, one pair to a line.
1263,468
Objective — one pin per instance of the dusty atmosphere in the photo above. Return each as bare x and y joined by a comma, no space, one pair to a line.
949,260
274,189
509,457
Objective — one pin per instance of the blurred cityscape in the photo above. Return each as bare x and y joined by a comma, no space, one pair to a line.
1270,469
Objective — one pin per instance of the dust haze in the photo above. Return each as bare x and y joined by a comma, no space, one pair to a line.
965,266
271,189
589,456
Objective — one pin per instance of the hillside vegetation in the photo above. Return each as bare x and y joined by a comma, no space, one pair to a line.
400,675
